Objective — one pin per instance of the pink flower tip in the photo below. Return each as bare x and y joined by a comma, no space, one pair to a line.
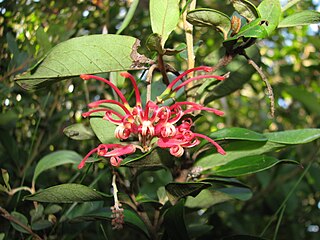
125,74
81,165
93,105
221,151
207,69
86,114
85,76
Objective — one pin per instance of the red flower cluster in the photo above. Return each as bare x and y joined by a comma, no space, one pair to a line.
154,125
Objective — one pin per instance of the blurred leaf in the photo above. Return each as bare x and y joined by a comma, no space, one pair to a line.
270,11
129,16
164,17
247,165
41,224
298,136
237,134
52,209
239,193
206,17
198,230
23,219
65,193
176,191
154,43
2,235
243,237
43,40
130,218
10,145
37,213
174,222
240,74
78,131
236,150
305,17
8,117
246,9
6,178
56,159
84,55
308,99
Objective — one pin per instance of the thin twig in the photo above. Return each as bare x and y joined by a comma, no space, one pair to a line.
149,79
269,88
9,217
162,69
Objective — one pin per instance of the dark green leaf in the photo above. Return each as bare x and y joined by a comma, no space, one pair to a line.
298,136
56,159
129,16
6,178
239,193
247,165
52,209
308,99
246,9
254,29
22,219
306,17
237,134
78,131
206,17
236,150
41,224
85,55
176,191
243,237
174,222
270,11
66,193
198,230
154,43
240,74
37,213
164,17
130,218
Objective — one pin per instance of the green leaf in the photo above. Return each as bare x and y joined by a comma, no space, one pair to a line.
6,178
308,99
56,159
104,129
66,193
243,237
41,224
270,11
37,213
2,235
176,191
174,222
164,17
237,134
154,43
130,218
85,55
305,17
78,131
246,9
247,165
129,16
206,17
240,74
43,40
254,29
22,219
236,150
52,209
298,136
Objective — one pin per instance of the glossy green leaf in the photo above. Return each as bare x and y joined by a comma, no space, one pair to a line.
308,99
236,150
78,131
270,11
21,218
85,55
176,191
306,17
55,159
174,222
66,193
298,136
129,16
247,165
246,9
206,17
254,29
237,134
130,218
164,17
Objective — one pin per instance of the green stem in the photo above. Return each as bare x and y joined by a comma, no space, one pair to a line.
279,222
